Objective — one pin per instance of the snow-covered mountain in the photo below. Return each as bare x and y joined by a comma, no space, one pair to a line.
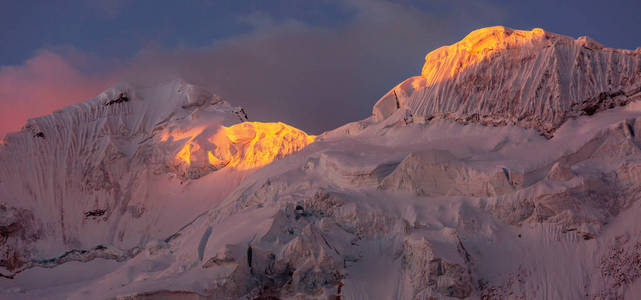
510,169
116,171
534,79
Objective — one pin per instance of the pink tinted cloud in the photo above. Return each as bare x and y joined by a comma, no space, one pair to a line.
42,84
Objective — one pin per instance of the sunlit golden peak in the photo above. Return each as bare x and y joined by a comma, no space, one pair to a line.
481,44
496,36
242,146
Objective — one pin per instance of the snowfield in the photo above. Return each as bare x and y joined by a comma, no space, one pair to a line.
483,178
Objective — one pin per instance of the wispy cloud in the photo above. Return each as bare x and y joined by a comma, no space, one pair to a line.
44,83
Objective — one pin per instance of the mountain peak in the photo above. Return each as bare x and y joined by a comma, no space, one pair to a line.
502,76
479,44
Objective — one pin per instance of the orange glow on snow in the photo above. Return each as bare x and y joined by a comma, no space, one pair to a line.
190,146
185,152
182,134
254,144
477,46
242,146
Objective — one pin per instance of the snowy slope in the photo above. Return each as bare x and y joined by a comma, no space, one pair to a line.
398,206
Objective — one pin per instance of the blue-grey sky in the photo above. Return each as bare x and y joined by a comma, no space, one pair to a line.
313,64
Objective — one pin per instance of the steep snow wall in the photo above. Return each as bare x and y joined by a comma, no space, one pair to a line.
535,79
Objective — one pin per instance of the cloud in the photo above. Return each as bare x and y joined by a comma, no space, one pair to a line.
314,77
44,83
